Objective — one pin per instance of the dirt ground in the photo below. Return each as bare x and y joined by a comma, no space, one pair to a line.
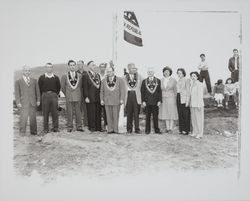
107,155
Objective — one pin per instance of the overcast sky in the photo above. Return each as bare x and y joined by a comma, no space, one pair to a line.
56,32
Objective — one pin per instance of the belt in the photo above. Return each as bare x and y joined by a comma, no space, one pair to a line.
49,92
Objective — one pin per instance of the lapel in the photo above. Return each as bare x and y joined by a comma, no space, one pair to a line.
95,80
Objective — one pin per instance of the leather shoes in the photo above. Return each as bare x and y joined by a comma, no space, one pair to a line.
69,130
147,132
158,132
55,130
80,129
138,132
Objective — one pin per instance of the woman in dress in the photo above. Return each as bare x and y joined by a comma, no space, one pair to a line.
196,106
183,98
168,108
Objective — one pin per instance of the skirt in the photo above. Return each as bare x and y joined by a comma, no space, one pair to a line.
168,109
218,97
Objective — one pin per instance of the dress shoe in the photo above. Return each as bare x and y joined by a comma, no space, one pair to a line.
158,132
80,129
69,130
110,132
129,131
147,132
138,132
55,130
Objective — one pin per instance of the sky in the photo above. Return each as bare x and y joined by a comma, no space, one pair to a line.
53,32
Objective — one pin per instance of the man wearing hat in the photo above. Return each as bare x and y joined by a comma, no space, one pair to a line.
132,97
151,96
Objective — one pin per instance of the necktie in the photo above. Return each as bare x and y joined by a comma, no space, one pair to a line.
28,80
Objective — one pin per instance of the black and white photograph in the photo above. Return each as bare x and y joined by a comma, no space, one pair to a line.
126,100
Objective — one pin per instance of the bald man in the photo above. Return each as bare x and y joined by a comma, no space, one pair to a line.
132,82
27,97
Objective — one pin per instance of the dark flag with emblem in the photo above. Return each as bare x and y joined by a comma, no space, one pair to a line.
132,32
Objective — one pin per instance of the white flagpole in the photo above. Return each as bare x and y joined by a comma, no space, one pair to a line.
122,119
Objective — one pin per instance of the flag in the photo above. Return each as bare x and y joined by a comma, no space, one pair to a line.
132,32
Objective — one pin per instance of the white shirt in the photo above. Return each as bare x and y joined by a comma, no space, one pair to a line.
72,74
27,80
203,65
235,63
49,76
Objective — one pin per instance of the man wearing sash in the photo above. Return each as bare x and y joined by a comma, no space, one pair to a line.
71,85
112,96
132,97
91,92
151,99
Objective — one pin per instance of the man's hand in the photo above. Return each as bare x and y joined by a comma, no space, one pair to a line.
102,102
38,103
19,105
87,100
121,102
158,103
144,104
187,104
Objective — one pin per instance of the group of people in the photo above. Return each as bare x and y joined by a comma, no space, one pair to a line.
92,92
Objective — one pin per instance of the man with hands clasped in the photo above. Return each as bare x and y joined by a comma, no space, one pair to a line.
112,95
151,99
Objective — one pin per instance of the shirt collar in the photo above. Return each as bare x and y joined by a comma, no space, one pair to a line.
49,76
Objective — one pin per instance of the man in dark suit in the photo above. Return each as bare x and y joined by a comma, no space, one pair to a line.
49,85
151,99
71,85
234,65
27,97
91,82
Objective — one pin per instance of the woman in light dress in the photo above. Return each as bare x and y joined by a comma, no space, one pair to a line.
168,109
196,106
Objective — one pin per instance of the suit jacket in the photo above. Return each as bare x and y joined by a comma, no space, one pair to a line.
72,93
137,89
196,95
170,90
184,87
231,64
90,89
151,97
25,94
112,96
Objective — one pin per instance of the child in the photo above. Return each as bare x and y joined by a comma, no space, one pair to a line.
219,92
230,91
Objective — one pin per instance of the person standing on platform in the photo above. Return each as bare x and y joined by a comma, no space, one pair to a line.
27,95
168,108
204,74
50,86
132,97
91,82
71,85
234,65
112,96
151,96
